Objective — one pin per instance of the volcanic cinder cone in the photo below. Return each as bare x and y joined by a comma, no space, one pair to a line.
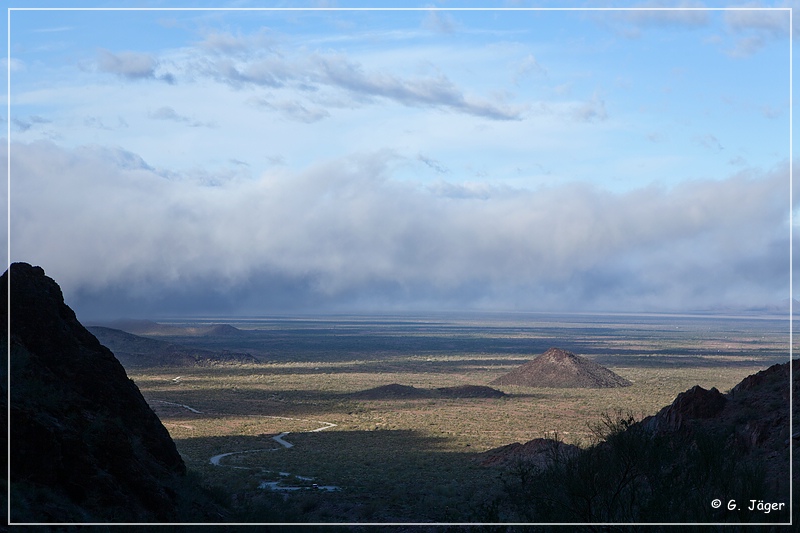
561,369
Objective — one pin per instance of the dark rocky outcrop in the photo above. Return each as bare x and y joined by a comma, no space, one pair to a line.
704,443
537,452
753,417
561,369
695,403
85,446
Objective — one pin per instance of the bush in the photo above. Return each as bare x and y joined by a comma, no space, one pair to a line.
629,474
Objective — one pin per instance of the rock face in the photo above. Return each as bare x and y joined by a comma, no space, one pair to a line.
85,446
703,443
695,403
536,452
561,369
757,409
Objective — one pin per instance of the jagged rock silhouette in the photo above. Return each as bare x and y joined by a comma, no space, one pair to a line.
85,446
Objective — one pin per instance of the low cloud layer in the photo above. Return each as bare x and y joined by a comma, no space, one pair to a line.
121,238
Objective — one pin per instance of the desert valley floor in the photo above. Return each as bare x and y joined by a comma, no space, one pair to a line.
341,419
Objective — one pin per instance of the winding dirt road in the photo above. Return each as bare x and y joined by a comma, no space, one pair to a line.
216,460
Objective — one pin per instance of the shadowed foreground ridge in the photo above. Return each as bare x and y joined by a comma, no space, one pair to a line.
666,468
85,446
562,369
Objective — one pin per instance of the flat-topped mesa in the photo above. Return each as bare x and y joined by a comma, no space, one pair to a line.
557,368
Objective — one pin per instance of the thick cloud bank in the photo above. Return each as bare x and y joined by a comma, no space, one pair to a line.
123,238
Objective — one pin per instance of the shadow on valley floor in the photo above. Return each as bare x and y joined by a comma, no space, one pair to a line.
373,476
244,401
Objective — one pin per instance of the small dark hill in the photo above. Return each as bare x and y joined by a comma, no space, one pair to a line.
391,392
558,368
397,391
136,351
470,391
222,330
85,446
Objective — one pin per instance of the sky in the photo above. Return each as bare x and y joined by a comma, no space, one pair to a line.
251,162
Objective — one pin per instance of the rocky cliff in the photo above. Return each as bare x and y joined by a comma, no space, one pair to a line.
85,446
705,448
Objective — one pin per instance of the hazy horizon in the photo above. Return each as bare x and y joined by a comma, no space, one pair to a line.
168,163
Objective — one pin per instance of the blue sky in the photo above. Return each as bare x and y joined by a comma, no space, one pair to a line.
331,160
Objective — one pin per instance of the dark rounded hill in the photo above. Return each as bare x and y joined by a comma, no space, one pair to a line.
392,391
559,368
85,445
397,391
470,391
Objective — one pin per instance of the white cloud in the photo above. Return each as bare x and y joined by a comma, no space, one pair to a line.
226,43
709,141
433,164
127,64
655,14
345,229
130,65
441,22
528,66
755,26
593,110
25,124
674,16
747,46
168,113
291,109
774,22
315,72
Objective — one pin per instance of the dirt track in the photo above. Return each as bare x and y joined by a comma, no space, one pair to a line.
216,460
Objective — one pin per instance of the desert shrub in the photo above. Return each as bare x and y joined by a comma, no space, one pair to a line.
630,475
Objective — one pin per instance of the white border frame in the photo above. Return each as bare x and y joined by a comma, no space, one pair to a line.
8,260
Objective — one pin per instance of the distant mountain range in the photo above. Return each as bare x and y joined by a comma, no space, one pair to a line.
150,328
779,309
138,351
131,341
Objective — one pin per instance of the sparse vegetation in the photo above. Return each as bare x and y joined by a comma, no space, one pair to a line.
408,458
631,475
